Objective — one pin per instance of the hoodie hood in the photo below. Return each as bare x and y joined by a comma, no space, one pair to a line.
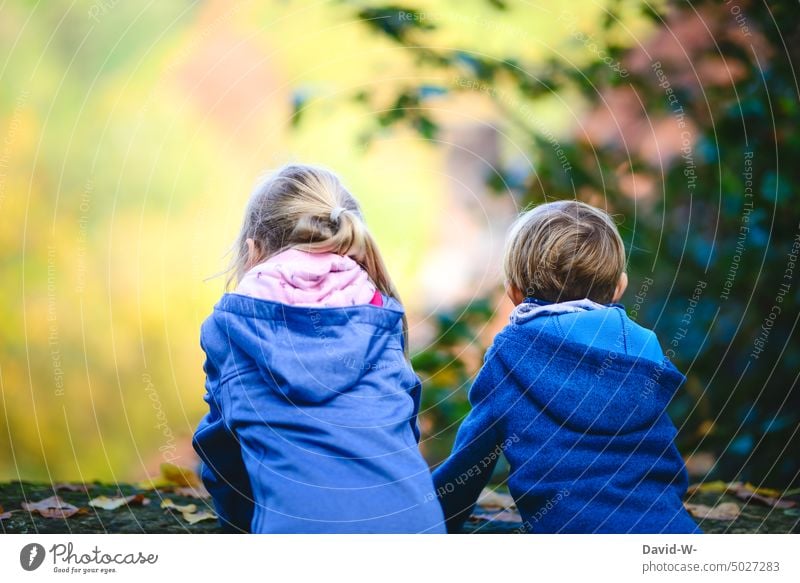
309,354
585,388
309,279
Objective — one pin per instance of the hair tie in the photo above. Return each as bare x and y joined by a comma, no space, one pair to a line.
335,213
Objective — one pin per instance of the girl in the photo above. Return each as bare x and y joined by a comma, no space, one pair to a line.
313,404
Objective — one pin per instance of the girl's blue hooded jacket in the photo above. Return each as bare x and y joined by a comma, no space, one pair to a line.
312,422
575,400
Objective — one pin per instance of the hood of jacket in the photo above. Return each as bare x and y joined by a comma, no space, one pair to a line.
300,278
590,389
309,354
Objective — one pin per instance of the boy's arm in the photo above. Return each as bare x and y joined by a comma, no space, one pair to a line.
460,479
222,468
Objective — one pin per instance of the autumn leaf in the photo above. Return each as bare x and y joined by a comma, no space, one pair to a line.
746,492
172,477
188,511
717,487
724,511
194,518
179,476
199,492
108,503
764,496
770,492
52,507
169,504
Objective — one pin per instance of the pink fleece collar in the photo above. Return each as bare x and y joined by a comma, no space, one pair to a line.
299,278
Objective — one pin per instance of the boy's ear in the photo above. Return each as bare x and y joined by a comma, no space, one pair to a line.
514,294
622,285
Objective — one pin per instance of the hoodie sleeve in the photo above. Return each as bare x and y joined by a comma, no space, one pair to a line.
460,479
416,395
222,469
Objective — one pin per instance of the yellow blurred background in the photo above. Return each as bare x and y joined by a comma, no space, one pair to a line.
130,136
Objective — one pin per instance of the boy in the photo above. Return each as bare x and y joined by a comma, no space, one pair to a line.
572,392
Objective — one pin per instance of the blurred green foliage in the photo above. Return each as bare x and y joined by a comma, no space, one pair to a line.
719,257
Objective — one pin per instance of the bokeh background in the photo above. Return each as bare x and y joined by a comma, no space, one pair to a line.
131,134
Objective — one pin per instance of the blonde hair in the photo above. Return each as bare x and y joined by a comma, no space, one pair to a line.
307,208
564,250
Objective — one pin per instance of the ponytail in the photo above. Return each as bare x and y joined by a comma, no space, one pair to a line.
308,208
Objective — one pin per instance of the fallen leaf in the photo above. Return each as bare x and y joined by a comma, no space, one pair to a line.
724,511
180,508
52,507
172,477
492,499
717,487
194,518
793,492
108,503
771,492
179,476
748,493
765,500
198,492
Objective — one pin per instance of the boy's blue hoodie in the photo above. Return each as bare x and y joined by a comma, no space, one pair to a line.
574,396
312,423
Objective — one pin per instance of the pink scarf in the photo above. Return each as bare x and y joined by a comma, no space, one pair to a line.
310,279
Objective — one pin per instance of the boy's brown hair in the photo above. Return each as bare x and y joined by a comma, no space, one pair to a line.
565,250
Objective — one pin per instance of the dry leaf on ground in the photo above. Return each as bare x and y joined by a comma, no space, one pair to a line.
772,492
717,487
173,477
169,504
179,476
724,511
108,503
750,493
198,492
747,492
52,507
193,518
